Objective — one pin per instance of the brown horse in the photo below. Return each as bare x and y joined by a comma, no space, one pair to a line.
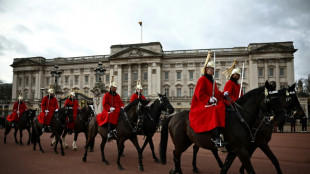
25,122
125,130
58,122
237,131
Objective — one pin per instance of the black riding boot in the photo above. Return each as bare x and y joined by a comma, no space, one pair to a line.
110,131
216,138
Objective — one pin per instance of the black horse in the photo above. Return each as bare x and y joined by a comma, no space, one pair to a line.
25,122
125,130
237,131
58,122
292,107
150,121
80,125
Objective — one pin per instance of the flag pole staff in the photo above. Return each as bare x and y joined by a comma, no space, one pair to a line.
141,29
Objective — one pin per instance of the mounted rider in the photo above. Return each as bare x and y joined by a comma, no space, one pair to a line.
112,106
232,86
49,105
73,103
138,93
207,107
19,108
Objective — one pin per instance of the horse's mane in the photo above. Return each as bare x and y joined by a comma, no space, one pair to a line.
135,102
250,94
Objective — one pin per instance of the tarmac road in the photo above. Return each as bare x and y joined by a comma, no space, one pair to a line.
292,150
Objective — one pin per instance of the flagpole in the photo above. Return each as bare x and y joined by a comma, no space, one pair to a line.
141,29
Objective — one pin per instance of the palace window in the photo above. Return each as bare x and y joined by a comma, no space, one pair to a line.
47,80
271,72
86,79
125,77
166,75
191,75
125,92
145,76
178,75
66,79
26,81
76,80
260,72
33,83
107,78
135,76
191,92
145,92
167,92
282,73
216,74
178,92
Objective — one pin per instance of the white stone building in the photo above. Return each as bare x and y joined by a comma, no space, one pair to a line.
172,72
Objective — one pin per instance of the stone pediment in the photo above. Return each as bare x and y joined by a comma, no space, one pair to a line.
273,47
25,62
135,52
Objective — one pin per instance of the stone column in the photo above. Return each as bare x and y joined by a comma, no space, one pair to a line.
253,77
139,72
14,86
149,77
129,80
158,78
277,74
118,79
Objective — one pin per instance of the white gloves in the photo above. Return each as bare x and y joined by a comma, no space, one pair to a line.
56,110
212,100
122,107
226,93
112,109
46,111
18,112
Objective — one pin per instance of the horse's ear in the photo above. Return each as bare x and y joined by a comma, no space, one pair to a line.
292,88
267,85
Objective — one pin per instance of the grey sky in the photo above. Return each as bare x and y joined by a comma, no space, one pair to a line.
57,28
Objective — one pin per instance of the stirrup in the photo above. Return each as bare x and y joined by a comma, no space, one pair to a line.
219,142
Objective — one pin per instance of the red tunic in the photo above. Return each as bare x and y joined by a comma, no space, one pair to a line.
233,89
50,105
75,105
21,107
206,118
106,116
135,96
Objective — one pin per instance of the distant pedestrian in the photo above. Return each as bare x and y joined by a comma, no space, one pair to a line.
303,122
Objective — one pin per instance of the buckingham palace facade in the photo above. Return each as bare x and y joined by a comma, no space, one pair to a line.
172,72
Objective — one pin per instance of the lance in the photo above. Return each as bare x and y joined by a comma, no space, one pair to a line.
111,91
241,79
213,76
18,107
138,89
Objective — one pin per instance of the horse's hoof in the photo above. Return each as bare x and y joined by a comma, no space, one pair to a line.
106,162
172,171
195,170
56,152
120,167
157,160
75,149
124,155
140,167
42,151
62,153
84,159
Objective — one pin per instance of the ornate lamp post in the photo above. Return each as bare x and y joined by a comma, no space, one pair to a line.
99,87
56,73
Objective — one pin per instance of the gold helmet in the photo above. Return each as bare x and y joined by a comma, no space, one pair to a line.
139,85
20,97
232,70
207,63
51,91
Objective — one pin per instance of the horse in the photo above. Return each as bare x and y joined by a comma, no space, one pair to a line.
150,121
80,125
125,130
290,102
57,126
237,131
25,122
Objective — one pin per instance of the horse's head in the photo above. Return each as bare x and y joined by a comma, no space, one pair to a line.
270,106
90,110
165,103
28,116
291,103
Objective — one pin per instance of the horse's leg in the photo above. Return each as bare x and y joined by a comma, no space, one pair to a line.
136,144
228,161
20,137
15,132
63,138
244,157
91,136
265,148
177,162
39,142
251,151
152,148
195,151
7,130
61,145
218,159
29,133
74,147
102,145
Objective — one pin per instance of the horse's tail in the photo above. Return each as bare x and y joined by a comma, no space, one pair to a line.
164,140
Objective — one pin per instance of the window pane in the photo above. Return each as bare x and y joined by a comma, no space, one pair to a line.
167,92
145,76
191,75
145,92
179,75
282,72
191,92
125,76
107,78
47,81
66,79
135,76
216,75
76,79
270,72
260,72
125,92
86,79
166,75
178,92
